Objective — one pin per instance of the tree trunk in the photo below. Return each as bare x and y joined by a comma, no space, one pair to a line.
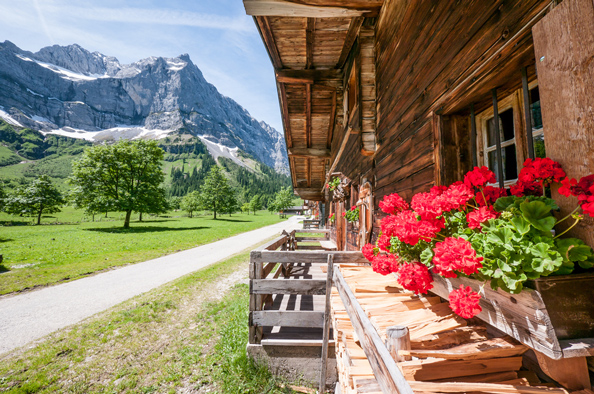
215,211
106,214
140,216
39,215
127,220
190,214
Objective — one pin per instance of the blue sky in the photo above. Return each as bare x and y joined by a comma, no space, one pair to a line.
221,40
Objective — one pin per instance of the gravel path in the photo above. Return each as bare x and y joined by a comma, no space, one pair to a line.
30,316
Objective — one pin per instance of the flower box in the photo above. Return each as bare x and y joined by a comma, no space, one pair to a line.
530,316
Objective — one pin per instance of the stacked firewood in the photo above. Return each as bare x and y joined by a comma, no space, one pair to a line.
444,347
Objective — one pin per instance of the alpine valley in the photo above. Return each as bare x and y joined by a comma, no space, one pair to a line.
60,99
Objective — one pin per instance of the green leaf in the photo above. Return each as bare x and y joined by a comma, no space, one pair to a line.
503,203
545,260
538,214
426,256
587,264
501,236
521,225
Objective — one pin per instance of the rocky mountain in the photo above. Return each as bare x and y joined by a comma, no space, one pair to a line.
72,92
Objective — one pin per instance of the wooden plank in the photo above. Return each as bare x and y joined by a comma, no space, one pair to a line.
308,115
387,374
311,9
309,152
432,369
309,42
523,316
268,269
332,121
461,387
577,347
287,319
352,34
314,257
565,75
282,97
492,348
274,244
295,342
571,373
282,286
310,231
326,333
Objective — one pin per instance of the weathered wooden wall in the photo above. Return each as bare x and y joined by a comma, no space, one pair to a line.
447,55
566,77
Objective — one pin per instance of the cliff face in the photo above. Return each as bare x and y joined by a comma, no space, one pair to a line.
71,91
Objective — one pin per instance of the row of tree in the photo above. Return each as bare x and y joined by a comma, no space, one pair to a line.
127,177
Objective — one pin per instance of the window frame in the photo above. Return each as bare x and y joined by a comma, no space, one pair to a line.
515,102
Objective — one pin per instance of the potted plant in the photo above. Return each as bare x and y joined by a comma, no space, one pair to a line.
352,216
502,237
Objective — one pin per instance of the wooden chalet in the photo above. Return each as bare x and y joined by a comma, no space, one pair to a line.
399,96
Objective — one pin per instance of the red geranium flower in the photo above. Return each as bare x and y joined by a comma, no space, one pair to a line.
456,197
384,264
455,254
490,194
465,302
427,205
479,216
567,188
392,204
415,277
384,242
522,189
543,171
343,214
369,251
479,177
588,208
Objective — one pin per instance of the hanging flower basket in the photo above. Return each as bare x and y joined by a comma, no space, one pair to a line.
473,236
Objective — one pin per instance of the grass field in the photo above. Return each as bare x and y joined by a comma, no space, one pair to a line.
188,336
47,254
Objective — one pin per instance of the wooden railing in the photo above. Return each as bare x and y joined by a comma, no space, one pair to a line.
263,262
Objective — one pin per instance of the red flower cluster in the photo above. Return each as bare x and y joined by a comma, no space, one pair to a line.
489,195
455,254
465,302
343,214
440,199
384,264
456,197
479,177
408,229
583,190
415,277
479,216
393,203
542,171
369,251
522,189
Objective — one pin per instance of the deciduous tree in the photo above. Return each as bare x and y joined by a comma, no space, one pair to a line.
35,198
216,193
123,177
255,203
191,202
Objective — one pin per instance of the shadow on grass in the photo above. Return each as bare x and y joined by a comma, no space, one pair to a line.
143,229
232,220
3,269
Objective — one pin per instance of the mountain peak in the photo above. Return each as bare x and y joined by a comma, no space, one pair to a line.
76,58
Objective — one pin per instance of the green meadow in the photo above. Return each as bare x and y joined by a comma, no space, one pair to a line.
69,245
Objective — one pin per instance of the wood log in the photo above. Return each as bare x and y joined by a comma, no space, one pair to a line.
397,341
281,286
492,348
461,387
419,370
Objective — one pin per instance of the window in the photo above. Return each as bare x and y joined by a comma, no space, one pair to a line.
510,132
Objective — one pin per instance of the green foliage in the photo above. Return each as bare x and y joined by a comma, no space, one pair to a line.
255,204
122,177
216,194
282,200
245,208
34,199
333,184
191,203
352,215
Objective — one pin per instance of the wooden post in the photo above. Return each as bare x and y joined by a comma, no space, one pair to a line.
527,114
398,338
330,275
473,136
497,140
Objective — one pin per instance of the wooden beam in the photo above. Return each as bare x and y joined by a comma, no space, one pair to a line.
352,34
331,77
292,170
282,97
495,388
266,33
332,120
281,286
287,318
313,8
309,42
308,161
308,115
309,152
314,257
